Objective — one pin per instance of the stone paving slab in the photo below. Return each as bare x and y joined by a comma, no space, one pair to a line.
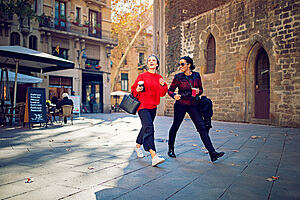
95,159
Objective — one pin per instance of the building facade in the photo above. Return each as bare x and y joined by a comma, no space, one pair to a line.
76,30
247,53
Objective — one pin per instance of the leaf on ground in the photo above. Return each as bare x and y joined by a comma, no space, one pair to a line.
206,152
68,149
231,131
69,140
236,135
218,130
203,148
29,180
194,145
255,137
273,178
90,168
235,150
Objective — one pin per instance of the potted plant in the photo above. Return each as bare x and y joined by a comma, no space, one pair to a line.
86,23
76,22
43,20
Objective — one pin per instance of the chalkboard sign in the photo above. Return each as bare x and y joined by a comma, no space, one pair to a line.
37,105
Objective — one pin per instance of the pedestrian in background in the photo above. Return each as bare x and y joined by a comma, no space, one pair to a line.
64,101
189,87
148,88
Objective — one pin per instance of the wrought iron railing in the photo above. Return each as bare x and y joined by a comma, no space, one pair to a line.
75,27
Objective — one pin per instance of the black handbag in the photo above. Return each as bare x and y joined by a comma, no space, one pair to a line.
130,104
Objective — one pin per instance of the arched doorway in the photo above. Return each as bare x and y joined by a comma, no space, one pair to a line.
262,85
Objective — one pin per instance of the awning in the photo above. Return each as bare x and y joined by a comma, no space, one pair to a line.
22,78
31,60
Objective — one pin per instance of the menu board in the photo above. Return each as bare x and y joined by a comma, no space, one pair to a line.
37,105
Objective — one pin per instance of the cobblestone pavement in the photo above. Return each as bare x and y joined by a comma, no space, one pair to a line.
95,159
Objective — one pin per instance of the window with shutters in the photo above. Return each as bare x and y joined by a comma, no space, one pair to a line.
124,81
95,27
33,42
211,55
60,15
141,59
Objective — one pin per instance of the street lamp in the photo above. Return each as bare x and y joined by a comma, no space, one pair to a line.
108,50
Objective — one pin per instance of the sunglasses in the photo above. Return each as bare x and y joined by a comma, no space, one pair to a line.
181,64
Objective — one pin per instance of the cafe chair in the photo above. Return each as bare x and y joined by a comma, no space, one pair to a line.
67,111
4,115
17,113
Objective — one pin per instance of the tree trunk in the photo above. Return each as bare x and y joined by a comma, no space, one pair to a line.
115,78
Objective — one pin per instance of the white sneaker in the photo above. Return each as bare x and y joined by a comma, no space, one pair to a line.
139,152
157,160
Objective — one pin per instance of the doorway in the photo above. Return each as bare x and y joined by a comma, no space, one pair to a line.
262,85
92,92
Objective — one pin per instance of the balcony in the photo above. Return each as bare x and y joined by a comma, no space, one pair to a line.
75,27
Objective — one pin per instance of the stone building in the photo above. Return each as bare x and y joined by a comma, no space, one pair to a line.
77,30
246,51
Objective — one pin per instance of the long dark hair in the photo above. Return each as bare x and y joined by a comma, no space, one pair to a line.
189,60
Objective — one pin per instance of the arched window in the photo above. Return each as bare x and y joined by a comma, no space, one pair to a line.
14,39
211,54
33,42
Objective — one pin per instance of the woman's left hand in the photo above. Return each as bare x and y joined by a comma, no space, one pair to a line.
162,82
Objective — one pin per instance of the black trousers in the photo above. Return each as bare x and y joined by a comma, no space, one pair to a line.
146,134
179,112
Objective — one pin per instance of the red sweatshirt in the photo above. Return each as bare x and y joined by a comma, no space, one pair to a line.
153,90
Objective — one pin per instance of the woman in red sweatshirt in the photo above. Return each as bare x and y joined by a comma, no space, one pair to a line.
148,88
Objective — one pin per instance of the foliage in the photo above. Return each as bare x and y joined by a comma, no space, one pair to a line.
127,17
22,8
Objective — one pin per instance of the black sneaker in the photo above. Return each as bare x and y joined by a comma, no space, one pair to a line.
171,153
215,155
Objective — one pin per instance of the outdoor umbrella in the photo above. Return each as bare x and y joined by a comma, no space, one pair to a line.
31,60
22,78
116,94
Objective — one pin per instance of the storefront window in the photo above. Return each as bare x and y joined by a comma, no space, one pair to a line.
92,97
59,85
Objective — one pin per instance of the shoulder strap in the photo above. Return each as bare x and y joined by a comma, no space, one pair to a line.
188,80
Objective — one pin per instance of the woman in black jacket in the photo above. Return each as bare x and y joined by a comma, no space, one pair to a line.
189,87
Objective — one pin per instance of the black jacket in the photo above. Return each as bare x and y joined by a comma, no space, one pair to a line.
64,101
206,109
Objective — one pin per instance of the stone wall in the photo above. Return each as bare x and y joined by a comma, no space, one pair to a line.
240,29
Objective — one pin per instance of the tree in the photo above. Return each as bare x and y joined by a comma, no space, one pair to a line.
130,18
22,8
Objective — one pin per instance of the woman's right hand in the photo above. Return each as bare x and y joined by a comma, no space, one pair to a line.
177,97
139,88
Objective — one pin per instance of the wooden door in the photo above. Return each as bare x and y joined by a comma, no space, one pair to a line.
262,85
